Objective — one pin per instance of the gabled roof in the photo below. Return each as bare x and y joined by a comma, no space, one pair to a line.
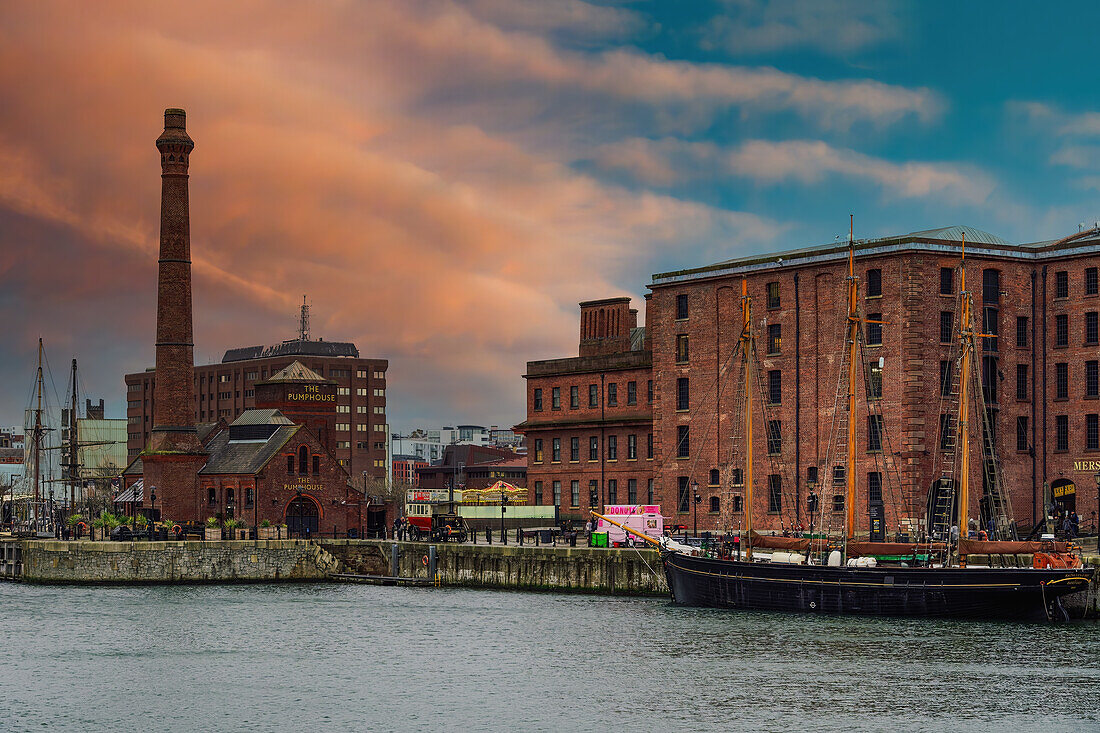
245,457
262,417
297,373
955,233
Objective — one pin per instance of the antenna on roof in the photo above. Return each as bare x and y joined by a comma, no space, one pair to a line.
303,322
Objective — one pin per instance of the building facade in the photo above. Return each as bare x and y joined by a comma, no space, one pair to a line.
225,390
1037,369
589,426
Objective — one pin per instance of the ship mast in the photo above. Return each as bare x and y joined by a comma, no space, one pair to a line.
36,440
967,343
746,352
853,335
73,443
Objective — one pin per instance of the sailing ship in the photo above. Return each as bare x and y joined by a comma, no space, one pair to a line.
827,574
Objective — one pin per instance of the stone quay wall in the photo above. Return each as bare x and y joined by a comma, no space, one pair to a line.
241,561
568,569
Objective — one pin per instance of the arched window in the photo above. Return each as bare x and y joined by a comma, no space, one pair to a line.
303,460
317,464
714,504
714,477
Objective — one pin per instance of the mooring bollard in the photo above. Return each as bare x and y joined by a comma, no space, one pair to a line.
393,560
431,563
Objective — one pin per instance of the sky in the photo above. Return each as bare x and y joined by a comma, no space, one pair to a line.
446,179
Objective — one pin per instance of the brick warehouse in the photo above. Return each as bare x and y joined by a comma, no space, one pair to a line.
1040,376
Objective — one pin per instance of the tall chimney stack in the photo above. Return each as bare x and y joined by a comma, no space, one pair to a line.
175,453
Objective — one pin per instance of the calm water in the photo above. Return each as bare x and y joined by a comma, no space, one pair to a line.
338,657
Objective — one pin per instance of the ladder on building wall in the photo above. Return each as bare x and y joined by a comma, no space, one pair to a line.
941,512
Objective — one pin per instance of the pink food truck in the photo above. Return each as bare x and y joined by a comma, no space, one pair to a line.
644,518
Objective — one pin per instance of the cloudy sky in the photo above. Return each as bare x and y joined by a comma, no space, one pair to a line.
447,179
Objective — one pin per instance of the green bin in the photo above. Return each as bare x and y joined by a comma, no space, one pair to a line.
599,539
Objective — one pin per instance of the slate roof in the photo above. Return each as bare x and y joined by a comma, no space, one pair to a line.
293,348
262,417
245,457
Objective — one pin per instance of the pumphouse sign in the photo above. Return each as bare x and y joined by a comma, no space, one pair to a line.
310,393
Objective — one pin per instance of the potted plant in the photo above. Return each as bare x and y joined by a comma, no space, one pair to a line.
266,531
99,527
164,529
213,529
235,529
73,522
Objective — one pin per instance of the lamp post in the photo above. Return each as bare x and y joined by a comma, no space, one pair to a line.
811,504
152,510
503,531
695,494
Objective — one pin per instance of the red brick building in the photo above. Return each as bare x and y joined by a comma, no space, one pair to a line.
589,427
225,390
405,467
1039,376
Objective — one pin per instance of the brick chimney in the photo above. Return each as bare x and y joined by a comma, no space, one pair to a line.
175,454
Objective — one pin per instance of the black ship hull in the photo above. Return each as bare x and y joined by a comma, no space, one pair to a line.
1023,594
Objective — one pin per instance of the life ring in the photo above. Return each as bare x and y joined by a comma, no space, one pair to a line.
177,530
81,526
424,561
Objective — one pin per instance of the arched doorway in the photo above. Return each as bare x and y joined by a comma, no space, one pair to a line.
1064,492
303,516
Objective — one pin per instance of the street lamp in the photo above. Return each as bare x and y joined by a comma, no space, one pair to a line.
503,531
695,493
152,510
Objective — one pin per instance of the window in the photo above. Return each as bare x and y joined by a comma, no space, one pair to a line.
538,399
947,432
991,286
838,475
1061,381
317,464
343,427
811,475
574,449
362,427
538,450
556,487
991,377
360,391
874,330
1021,433
683,495
1021,331
874,381
1092,432
715,477
947,320
946,374
649,391
593,448
593,395
538,493
1021,381
211,495
1090,281
290,464
1061,432
775,437
681,348
990,326
343,391
775,494
1061,330
775,338
681,307
574,397
649,446
612,491
714,505
574,493
775,386
838,502
555,398
1091,334
555,450
612,447
593,493
249,494
683,441
649,491
632,491
360,373
343,408
874,432
632,447
947,281
1061,284
874,487
773,295
874,283
223,378
612,394
303,459
737,477
631,393
682,393
738,504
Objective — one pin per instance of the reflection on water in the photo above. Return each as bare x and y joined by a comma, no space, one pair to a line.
336,657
